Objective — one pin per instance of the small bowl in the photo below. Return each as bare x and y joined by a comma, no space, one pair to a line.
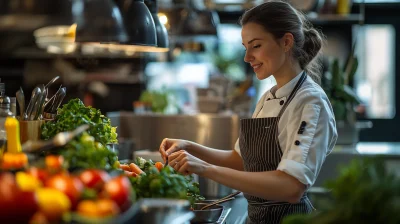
211,214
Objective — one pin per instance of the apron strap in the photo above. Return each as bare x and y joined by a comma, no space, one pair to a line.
293,93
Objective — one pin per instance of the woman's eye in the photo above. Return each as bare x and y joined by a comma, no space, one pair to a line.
257,46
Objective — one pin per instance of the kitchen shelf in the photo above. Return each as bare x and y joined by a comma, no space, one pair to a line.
35,53
328,19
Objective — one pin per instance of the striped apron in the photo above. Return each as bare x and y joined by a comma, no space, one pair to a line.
260,150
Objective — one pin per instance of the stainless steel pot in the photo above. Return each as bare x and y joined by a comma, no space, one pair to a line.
211,189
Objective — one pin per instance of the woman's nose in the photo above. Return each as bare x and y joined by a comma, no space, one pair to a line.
248,57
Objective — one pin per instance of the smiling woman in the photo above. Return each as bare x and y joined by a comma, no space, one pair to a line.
280,149
281,35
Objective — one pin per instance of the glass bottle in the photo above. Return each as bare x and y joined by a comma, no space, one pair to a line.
4,113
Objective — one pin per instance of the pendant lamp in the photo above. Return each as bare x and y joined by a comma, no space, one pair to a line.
98,21
161,31
140,26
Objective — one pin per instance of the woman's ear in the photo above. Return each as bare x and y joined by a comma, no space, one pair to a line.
287,41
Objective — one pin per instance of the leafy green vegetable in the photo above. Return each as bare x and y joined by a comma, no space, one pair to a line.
365,192
75,113
157,99
84,153
143,164
166,183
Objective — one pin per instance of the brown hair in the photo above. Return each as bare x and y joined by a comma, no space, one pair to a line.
278,18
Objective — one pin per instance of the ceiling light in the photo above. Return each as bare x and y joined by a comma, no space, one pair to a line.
98,21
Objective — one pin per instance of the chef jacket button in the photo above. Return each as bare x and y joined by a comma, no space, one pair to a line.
297,142
281,102
303,123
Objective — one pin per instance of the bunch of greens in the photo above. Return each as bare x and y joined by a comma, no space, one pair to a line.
157,99
365,192
84,153
74,114
166,183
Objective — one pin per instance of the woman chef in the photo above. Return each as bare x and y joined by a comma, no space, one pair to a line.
280,149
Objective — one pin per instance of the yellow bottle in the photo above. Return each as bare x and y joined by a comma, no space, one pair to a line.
343,7
12,129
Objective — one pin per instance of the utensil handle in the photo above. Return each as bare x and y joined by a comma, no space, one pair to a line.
217,202
231,195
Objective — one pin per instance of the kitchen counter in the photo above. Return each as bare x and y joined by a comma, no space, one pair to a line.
370,148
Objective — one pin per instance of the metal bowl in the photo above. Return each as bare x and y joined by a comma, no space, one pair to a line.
211,214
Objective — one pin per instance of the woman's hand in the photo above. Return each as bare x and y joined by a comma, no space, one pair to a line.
186,164
169,146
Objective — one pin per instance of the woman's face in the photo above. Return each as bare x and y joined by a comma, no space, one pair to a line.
263,52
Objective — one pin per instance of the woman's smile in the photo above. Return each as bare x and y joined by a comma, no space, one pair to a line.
256,67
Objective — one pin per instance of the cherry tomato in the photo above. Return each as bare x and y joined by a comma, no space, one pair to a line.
119,190
38,173
71,186
93,178
16,206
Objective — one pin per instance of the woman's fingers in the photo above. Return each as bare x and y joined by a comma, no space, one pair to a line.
184,169
172,149
177,159
176,156
163,149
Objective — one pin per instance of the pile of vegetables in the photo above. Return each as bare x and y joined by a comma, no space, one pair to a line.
74,114
50,194
153,180
365,192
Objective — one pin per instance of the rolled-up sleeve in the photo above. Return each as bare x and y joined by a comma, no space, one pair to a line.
310,140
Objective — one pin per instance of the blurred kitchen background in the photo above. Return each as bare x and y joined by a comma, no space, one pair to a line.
194,84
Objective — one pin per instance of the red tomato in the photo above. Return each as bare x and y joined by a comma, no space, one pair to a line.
16,206
93,178
70,186
119,190
40,174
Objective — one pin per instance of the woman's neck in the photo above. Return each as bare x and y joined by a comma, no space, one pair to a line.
285,74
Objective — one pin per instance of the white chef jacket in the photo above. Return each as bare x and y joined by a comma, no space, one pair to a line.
310,104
